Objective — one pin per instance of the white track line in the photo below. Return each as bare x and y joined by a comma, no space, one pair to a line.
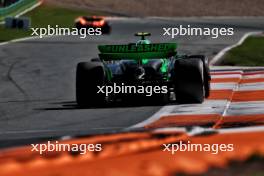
25,39
241,130
246,108
29,9
223,86
199,130
205,17
208,107
51,131
154,117
26,10
18,15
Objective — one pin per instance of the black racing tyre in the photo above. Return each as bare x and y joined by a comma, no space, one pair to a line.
78,25
89,75
159,99
207,76
106,29
189,80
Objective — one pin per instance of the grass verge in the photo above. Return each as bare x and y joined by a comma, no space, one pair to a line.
250,53
42,17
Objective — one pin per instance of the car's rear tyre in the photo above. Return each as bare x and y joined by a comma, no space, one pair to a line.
89,75
189,80
106,29
207,76
161,99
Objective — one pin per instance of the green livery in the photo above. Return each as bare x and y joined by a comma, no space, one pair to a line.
137,51
138,48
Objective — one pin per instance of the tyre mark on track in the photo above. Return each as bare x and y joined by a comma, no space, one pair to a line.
9,76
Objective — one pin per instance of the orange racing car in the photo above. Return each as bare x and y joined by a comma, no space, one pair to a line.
93,22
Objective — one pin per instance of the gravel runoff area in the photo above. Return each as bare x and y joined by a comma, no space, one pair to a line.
170,7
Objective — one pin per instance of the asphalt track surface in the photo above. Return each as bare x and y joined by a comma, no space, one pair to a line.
37,78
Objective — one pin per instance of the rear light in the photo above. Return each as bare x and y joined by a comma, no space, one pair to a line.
81,20
99,23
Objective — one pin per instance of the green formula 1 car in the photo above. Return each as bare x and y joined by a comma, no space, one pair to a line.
142,70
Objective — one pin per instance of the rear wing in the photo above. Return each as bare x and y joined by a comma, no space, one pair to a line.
137,51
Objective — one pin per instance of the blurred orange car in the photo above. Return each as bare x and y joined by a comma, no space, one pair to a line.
93,22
